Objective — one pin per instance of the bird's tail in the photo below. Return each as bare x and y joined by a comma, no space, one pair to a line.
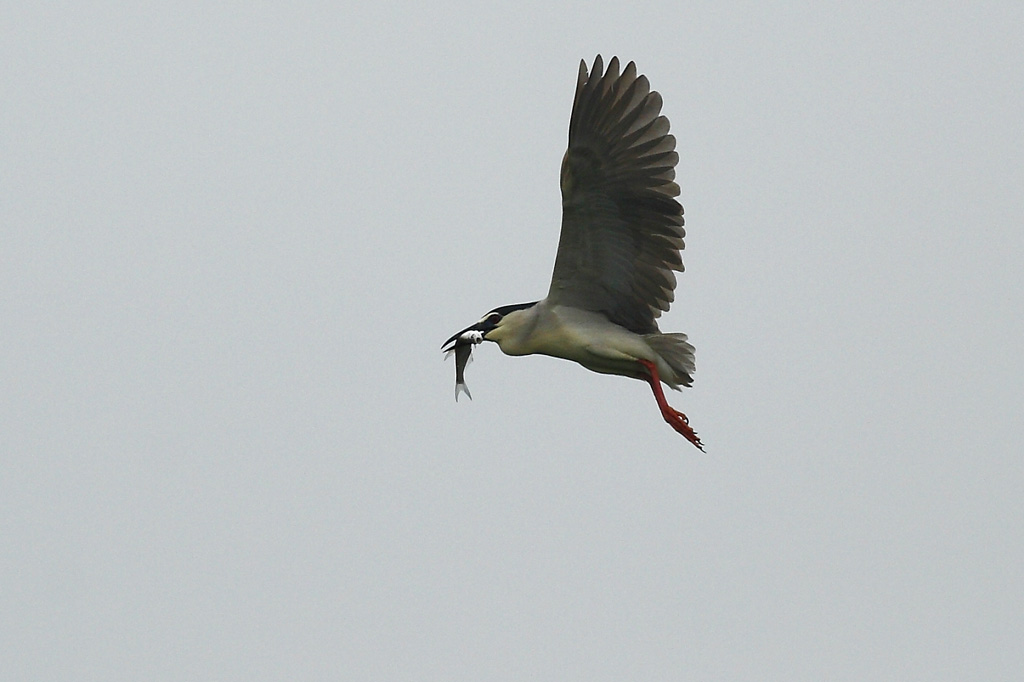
675,350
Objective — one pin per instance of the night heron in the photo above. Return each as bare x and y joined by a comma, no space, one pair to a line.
622,230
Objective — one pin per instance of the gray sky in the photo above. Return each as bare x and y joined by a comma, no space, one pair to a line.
234,238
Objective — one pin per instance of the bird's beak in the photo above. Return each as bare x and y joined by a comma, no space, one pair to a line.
450,343
481,327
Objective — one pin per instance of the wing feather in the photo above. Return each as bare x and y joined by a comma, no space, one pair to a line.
622,228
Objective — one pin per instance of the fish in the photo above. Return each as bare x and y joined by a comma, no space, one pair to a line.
463,354
463,350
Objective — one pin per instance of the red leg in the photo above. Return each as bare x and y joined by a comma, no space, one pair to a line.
677,420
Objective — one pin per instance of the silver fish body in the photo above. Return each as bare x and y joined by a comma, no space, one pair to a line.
462,345
463,354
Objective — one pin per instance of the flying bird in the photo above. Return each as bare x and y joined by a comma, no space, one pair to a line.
622,231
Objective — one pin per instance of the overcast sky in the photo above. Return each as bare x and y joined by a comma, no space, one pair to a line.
233,238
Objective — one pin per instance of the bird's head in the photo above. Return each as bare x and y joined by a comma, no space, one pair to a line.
497,325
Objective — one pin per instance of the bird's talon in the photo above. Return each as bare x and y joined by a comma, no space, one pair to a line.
676,419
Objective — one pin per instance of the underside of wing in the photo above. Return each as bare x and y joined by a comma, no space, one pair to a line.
622,227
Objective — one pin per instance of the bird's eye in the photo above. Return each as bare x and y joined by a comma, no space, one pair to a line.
494,318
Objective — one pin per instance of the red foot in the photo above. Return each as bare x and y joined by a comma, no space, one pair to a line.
676,419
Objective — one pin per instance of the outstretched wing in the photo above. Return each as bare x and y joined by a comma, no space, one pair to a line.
622,228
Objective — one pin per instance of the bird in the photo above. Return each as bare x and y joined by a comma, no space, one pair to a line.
618,251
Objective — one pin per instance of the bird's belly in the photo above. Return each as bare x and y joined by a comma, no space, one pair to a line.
592,341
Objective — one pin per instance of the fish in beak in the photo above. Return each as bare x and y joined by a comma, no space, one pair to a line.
461,345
